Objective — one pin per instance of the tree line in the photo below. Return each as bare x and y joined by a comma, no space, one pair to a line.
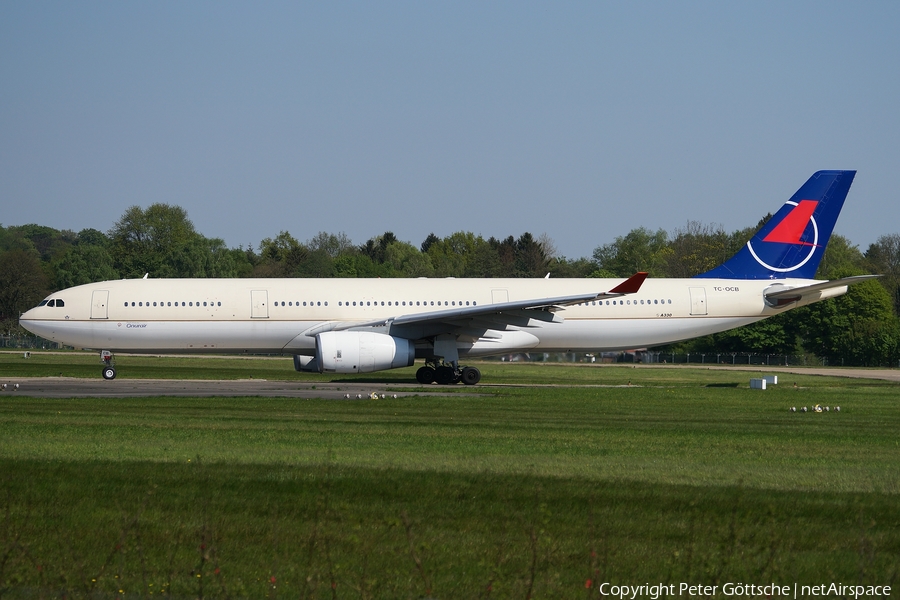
860,328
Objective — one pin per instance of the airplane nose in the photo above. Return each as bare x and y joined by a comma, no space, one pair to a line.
28,321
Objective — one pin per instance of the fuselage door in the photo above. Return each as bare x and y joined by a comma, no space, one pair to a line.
698,301
259,304
99,304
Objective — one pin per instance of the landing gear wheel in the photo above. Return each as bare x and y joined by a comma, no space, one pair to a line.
445,375
109,373
471,375
425,375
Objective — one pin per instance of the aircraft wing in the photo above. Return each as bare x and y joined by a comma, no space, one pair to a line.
781,295
501,314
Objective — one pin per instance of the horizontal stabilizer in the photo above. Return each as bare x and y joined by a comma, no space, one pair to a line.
779,295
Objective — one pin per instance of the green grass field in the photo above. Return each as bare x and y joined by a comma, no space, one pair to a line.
623,475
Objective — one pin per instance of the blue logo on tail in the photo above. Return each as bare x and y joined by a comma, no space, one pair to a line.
792,242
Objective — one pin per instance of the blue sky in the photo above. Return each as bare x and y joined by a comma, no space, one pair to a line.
578,120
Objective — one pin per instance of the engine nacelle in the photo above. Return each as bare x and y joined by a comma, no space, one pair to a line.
361,352
306,364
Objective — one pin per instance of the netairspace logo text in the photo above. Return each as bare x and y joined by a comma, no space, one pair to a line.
744,590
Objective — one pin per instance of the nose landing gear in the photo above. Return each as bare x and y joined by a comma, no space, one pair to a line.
109,369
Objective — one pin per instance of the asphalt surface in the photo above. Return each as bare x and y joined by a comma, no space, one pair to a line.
70,387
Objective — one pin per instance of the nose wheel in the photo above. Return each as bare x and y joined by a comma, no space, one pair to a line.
109,370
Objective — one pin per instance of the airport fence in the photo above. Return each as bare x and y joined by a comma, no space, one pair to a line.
30,342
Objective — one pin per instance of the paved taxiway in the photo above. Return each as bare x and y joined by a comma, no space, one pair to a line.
70,387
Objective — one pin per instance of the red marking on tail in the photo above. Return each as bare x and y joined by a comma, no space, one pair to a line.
793,225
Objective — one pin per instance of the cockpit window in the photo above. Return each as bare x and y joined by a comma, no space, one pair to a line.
59,302
51,303
43,303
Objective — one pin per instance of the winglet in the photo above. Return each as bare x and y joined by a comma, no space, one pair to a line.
630,285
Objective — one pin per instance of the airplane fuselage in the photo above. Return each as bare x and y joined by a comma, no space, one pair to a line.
283,315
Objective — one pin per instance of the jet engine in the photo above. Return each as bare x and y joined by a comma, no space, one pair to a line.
357,352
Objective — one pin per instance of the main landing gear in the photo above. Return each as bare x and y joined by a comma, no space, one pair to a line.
109,370
444,374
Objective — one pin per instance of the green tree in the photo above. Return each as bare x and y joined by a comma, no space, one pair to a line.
561,267
376,247
22,282
884,256
449,257
858,328
530,258
695,249
841,259
92,237
482,260
148,241
429,241
639,250
407,261
330,244
83,263
280,257
204,257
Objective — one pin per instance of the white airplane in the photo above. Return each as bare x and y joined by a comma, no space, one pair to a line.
366,325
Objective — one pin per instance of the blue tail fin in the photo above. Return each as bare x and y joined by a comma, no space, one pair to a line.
792,242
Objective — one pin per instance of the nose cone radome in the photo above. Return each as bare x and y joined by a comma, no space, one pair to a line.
30,321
